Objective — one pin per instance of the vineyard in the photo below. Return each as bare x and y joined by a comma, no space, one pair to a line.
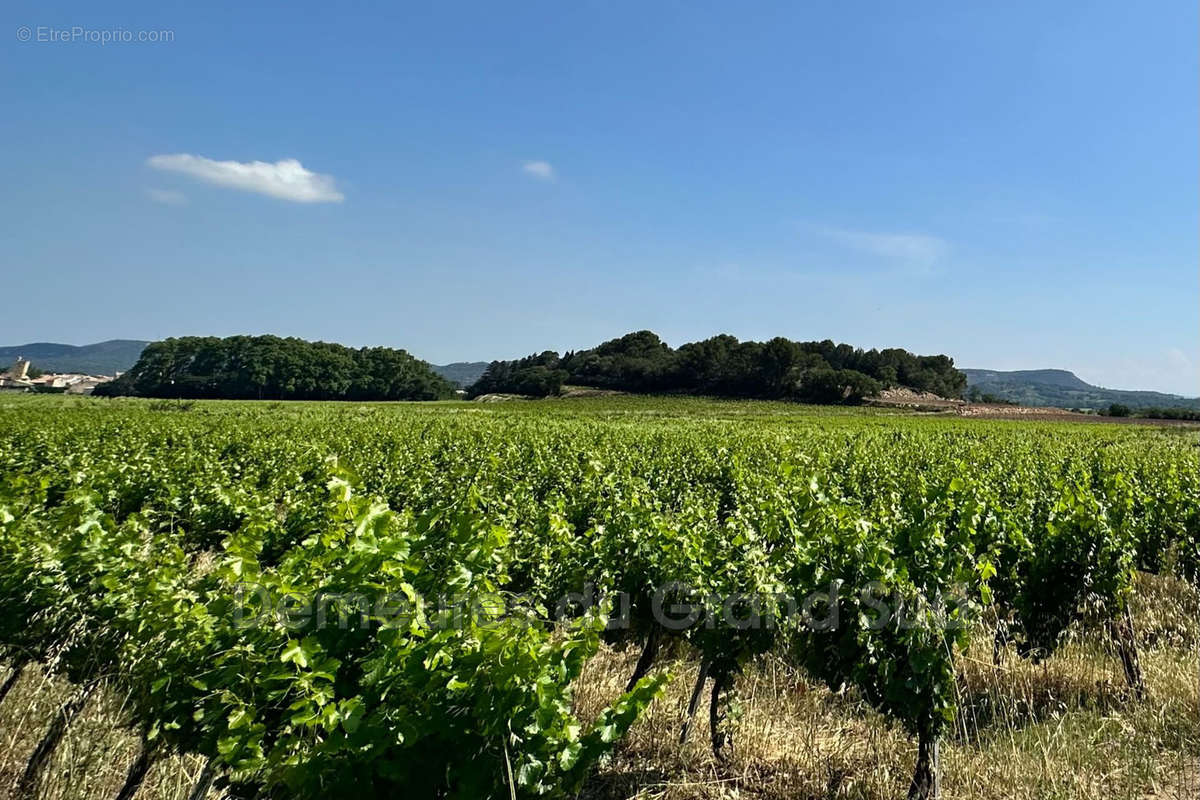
594,597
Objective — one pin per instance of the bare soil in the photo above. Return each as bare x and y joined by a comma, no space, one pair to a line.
901,397
931,403
1051,414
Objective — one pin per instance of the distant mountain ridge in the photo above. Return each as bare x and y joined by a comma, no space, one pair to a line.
102,358
461,373
1064,389
1030,387
119,355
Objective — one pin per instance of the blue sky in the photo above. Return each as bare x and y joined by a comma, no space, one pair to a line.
1013,184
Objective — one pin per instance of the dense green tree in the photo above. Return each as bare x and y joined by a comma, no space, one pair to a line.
639,362
537,375
700,365
836,386
1169,413
822,372
262,367
776,362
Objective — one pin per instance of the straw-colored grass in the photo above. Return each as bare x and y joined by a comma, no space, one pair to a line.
94,755
1066,728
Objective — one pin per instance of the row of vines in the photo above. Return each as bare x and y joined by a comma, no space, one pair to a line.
330,599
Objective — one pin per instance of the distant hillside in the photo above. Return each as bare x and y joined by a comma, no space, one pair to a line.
102,358
461,373
1058,387
119,355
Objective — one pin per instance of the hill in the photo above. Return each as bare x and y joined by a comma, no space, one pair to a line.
641,362
1058,387
276,368
102,358
461,373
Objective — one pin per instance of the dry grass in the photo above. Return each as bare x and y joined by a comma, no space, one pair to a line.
1067,728
94,755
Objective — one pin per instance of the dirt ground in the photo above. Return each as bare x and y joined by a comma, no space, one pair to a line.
932,403
1050,414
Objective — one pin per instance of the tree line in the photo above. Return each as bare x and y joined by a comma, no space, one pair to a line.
271,367
1151,412
817,372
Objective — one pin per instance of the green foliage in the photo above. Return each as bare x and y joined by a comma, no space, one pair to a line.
976,396
128,537
1174,412
258,367
817,372
836,386
423,705
538,376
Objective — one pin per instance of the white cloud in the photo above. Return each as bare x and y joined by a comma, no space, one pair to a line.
915,249
286,179
168,197
539,169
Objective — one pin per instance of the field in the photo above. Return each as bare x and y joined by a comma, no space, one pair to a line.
506,600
